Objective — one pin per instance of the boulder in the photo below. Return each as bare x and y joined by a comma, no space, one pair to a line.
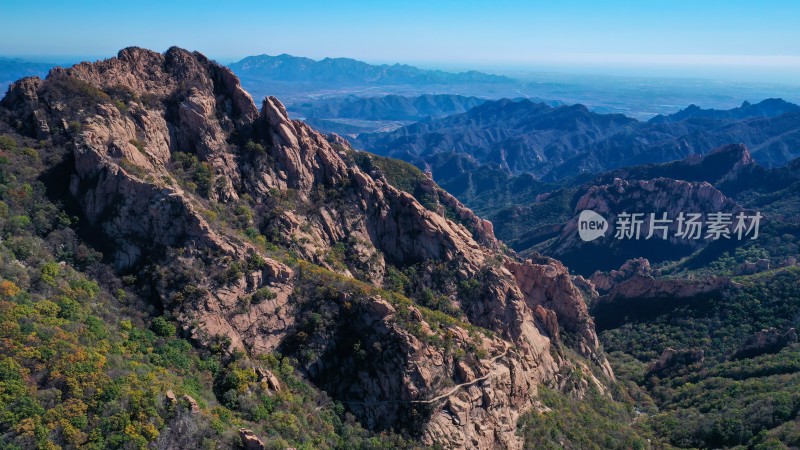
170,398
194,408
249,440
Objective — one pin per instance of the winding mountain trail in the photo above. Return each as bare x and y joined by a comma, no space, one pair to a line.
447,394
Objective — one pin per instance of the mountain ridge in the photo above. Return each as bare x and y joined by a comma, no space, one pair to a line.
388,107
286,67
770,107
258,234
559,143
543,216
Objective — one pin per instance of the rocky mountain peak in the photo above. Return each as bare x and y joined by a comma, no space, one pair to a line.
219,205
176,71
649,196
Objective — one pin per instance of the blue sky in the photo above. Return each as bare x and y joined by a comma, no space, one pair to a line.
676,37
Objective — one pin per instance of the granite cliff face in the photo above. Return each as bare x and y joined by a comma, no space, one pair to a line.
179,177
637,279
769,340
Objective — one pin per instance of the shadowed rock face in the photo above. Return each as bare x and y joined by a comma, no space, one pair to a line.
637,291
123,120
672,361
723,165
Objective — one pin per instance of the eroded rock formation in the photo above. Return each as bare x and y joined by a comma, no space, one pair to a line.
125,119
769,340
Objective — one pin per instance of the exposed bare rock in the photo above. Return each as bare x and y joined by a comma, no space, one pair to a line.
657,195
750,267
742,159
547,283
467,419
643,296
313,200
170,398
672,360
548,318
381,308
335,139
194,408
646,197
482,229
769,340
586,286
249,440
23,98
647,287
604,282
266,376
464,372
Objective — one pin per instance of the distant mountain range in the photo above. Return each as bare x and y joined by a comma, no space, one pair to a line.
389,107
352,115
559,143
350,71
12,69
226,276
543,217
768,108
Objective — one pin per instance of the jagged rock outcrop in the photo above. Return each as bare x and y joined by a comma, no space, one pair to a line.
605,281
249,440
266,376
644,286
23,97
170,399
649,196
646,197
769,340
124,119
191,404
547,284
641,296
751,267
482,229
672,361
